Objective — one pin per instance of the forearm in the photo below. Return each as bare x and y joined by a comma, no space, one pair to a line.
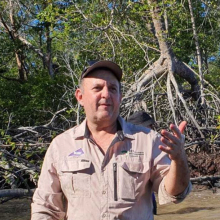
177,179
47,205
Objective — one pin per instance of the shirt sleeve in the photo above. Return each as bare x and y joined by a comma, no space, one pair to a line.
165,198
48,199
160,168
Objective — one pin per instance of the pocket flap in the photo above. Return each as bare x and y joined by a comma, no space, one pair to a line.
75,165
135,167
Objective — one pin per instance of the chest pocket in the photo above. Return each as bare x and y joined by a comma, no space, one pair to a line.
132,179
75,177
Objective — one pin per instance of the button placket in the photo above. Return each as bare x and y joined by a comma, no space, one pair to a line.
104,192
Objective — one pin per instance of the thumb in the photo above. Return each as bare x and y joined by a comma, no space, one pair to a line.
182,126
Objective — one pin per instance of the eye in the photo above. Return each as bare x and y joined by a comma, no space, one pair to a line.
113,89
97,88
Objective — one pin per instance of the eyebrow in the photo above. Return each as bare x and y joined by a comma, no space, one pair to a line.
108,83
113,84
116,84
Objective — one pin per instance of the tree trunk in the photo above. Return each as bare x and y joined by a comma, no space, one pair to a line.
21,68
199,56
48,57
11,27
167,61
18,50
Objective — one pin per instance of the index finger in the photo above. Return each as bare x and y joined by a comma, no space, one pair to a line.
178,131
182,126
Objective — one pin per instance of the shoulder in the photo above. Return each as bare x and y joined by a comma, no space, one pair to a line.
64,144
66,139
66,134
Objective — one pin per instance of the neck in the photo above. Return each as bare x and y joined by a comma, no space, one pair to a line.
103,135
110,128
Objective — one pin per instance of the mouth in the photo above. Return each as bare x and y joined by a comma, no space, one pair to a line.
105,104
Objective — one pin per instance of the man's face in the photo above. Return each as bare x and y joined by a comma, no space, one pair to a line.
100,96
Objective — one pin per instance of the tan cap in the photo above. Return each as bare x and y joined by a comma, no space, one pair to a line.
115,68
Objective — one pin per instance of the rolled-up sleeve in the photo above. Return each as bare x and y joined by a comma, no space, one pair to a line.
165,198
48,198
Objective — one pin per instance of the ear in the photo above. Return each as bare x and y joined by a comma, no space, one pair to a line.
79,96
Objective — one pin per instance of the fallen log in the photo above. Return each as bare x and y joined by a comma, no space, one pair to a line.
212,181
16,192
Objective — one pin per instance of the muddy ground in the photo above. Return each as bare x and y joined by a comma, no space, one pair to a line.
204,163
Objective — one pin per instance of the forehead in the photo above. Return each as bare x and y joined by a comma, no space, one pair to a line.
99,75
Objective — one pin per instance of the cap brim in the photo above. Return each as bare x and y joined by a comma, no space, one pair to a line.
116,70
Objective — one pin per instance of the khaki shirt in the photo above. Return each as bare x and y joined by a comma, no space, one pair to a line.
78,182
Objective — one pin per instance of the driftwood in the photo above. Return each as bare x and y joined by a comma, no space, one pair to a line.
204,178
16,192
212,181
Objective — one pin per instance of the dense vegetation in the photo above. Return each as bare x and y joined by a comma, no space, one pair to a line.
169,52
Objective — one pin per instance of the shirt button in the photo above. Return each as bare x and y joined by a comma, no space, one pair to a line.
103,192
104,215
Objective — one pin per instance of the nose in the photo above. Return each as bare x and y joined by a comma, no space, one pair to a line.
105,92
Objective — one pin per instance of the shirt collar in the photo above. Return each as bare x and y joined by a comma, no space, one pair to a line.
80,131
124,131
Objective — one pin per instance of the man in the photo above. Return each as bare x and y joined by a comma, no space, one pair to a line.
143,119
106,168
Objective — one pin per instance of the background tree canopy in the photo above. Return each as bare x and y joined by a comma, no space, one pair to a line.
168,50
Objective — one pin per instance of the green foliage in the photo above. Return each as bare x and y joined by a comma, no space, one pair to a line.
31,103
180,28
218,121
214,73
